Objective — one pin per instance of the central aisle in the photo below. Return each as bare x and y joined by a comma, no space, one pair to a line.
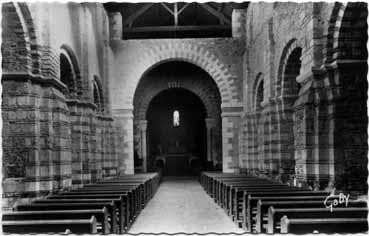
181,205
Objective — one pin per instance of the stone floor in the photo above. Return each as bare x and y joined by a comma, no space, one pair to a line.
181,206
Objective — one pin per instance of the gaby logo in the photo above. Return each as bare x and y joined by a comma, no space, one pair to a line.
335,200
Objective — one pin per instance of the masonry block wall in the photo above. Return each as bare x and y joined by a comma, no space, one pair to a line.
290,130
220,57
292,85
54,135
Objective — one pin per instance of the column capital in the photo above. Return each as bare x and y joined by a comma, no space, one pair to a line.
142,124
210,122
122,113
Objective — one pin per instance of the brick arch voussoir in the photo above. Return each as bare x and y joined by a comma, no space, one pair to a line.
332,33
144,101
258,79
22,40
34,44
69,52
286,52
205,60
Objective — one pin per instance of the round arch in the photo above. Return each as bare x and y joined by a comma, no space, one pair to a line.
334,48
98,94
14,21
346,86
205,89
144,101
259,79
193,54
72,59
332,33
166,77
291,48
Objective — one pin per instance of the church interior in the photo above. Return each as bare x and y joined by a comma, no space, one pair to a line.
184,117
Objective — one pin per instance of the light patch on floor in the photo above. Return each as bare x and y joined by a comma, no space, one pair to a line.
181,205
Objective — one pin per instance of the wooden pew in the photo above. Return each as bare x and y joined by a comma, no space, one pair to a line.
118,201
110,206
124,197
137,190
275,214
221,185
135,199
323,225
125,213
236,204
82,226
227,188
146,185
218,184
101,216
235,193
251,197
263,206
250,203
213,179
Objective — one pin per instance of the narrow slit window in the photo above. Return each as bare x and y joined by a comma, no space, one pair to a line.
176,118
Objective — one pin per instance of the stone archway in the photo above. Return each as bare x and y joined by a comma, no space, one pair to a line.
176,50
197,82
135,59
346,86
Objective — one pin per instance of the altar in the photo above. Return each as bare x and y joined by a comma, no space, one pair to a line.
179,164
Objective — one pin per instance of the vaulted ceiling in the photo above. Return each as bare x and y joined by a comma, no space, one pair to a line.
175,20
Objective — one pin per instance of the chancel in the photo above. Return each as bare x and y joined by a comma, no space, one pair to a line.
184,117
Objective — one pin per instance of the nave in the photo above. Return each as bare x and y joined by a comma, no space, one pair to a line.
182,206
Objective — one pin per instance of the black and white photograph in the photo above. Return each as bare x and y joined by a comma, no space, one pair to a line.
184,118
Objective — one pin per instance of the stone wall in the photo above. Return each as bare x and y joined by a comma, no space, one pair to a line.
220,57
53,141
294,137
306,127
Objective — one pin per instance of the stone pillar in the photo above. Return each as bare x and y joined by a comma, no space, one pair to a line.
124,119
231,117
238,23
210,124
115,25
143,144
303,131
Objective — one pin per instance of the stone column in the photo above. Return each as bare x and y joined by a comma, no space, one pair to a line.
238,23
143,144
115,25
124,119
210,124
303,131
231,117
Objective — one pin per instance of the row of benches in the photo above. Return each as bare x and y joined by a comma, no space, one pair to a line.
263,206
109,206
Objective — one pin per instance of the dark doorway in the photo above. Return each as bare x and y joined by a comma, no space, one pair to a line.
176,132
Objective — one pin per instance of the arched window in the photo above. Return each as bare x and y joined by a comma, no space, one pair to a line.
176,118
98,95
67,75
259,95
292,70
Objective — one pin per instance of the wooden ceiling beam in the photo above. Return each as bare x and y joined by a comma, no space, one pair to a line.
176,14
129,21
218,14
176,28
167,8
182,9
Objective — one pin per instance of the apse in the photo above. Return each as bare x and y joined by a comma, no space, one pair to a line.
177,132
